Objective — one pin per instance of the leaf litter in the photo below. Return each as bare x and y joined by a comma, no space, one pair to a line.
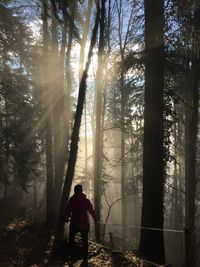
24,244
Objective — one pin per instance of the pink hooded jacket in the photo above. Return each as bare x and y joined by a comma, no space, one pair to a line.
78,209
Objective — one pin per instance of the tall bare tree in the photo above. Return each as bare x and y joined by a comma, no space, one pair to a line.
191,132
86,26
152,241
48,117
76,127
98,120
123,40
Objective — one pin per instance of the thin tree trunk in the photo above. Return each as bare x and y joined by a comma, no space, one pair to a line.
98,128
62,121
123,176
175,182
122,46
5,173
35,200
191,129
48,120
81,64
76,128
84,38
66,95
57,109
191,132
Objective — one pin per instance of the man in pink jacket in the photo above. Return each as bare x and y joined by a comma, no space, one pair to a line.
77,211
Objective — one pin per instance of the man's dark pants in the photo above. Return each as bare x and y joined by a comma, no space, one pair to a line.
73,230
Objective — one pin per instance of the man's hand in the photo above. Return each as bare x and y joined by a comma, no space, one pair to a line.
67,220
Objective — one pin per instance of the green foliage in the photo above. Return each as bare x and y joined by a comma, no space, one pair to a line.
19,141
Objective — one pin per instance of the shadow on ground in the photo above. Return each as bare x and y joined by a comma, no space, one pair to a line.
30,245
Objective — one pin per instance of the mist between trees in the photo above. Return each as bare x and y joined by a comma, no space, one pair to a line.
105,94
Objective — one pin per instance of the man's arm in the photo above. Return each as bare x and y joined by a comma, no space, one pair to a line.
68,211
91,211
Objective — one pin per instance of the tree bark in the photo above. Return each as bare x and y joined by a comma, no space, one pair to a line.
84,38
48,120
123,41
98,128
76,128
57,107
62,112
123,173
81,64
191,130
152,242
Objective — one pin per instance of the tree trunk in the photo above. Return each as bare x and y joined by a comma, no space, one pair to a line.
61,122
48,120
81,64
152,242
6,163
123,175
191,132
98,128
84,38
191,129
76,128
57,107
123,41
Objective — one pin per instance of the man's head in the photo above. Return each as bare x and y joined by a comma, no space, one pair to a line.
78,189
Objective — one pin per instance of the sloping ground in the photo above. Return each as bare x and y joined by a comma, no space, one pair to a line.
29,245
22,244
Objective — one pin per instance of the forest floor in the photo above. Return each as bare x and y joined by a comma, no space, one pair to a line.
30,245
